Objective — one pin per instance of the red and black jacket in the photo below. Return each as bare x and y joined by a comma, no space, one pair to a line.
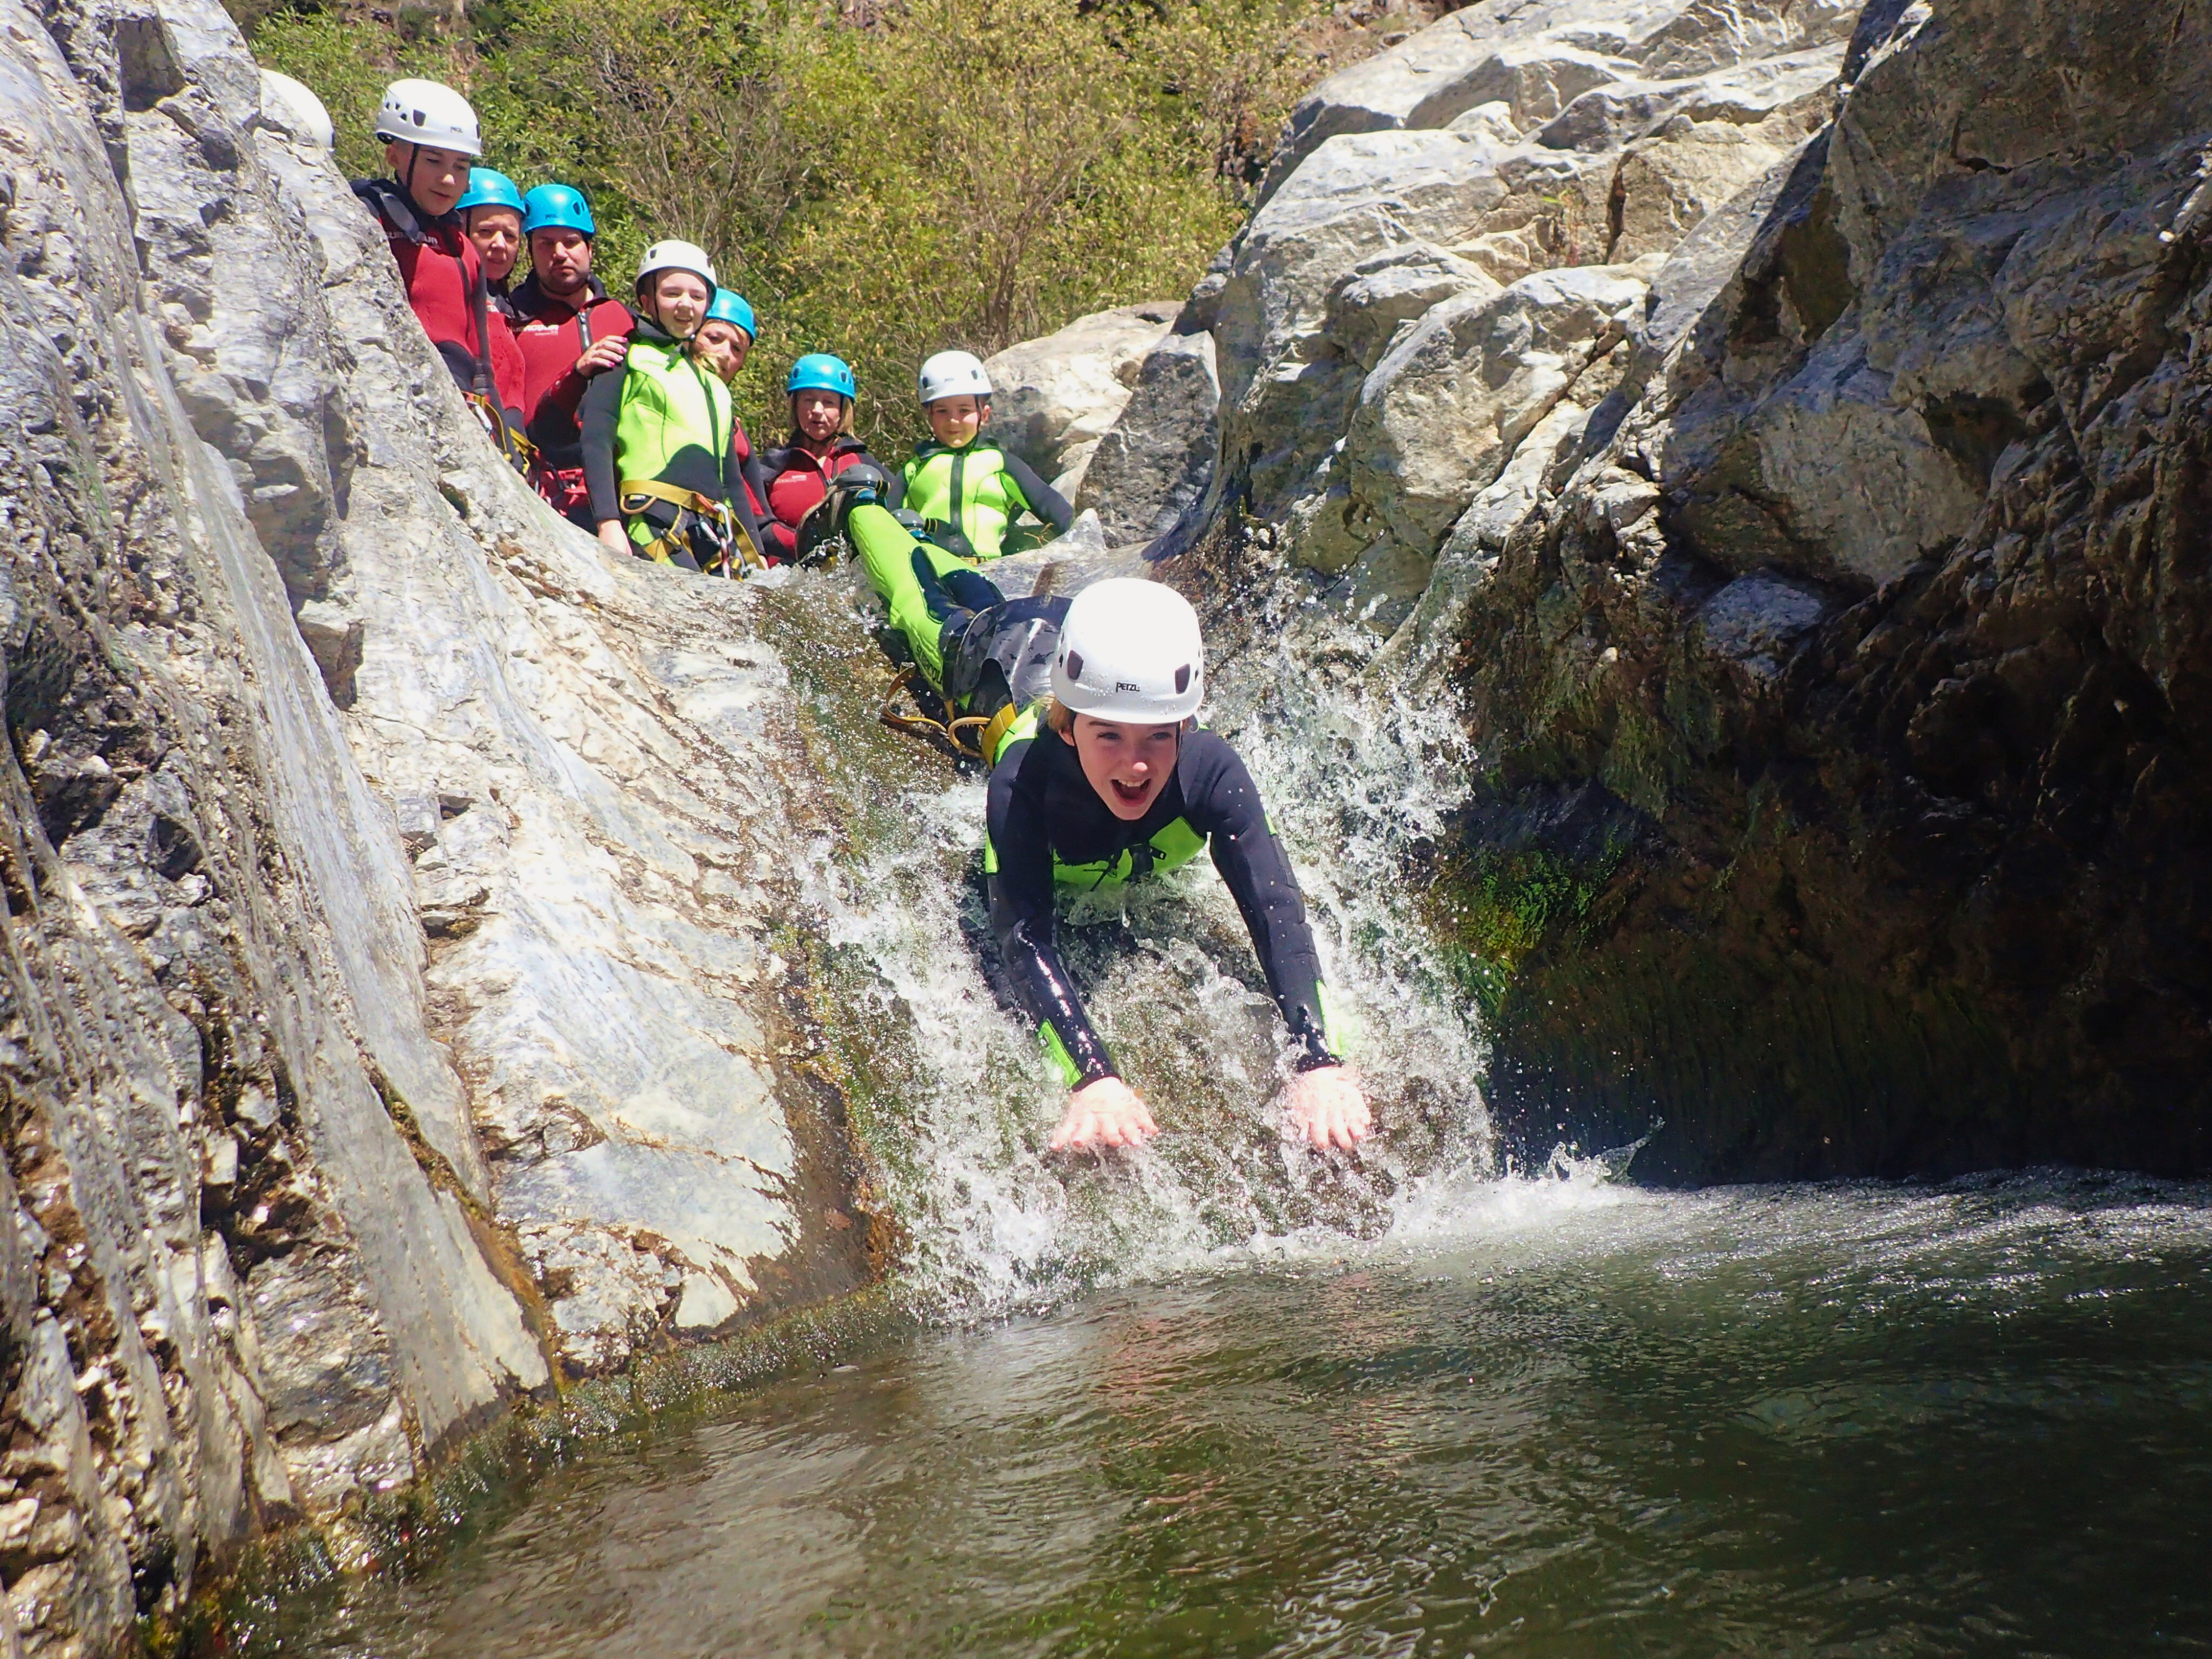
793,479
551,335
445,283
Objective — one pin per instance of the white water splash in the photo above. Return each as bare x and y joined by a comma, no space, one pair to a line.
1353,784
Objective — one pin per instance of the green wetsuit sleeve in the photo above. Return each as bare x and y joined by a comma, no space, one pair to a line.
887,555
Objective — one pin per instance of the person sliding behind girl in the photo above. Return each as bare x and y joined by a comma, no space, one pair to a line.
963,492
663,455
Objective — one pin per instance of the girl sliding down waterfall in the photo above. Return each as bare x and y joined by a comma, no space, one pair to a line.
1101,775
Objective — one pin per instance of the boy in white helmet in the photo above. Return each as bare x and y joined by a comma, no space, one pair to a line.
965,489
430,139
1107,781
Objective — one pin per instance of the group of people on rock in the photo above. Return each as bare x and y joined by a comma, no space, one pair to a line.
621,413
1084,709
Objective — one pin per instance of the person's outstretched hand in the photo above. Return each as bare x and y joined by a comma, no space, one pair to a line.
1327,1107
614,538
1106,1113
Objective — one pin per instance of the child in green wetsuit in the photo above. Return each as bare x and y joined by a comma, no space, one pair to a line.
967,492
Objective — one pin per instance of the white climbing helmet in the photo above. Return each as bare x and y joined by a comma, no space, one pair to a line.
677,256
425,113
1130,651
954,374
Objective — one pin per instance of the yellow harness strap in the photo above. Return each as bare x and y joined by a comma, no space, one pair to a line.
961,734
636,492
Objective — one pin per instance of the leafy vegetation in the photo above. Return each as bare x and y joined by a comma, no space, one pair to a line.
879,183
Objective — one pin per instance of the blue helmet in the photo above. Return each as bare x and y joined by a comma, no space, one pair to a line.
489,187
817,371
549,207
729,306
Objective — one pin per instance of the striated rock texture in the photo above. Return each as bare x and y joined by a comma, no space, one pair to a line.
399,1004
1781,427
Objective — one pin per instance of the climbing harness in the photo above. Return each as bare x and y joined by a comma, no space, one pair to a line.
971,737
736,556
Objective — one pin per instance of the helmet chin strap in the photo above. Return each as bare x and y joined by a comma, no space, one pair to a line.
407,179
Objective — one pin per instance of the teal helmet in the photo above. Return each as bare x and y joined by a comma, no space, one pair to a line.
817,371
551,207
729,306
489,187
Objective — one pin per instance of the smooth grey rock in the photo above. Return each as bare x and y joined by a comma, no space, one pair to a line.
1052,398
280,967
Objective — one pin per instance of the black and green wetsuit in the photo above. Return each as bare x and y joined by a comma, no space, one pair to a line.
1047,829
971,496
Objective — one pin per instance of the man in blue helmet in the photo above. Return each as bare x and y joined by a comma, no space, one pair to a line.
822,389
568,331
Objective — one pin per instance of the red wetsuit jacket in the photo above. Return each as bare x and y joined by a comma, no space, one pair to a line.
445,283
552,334
796,478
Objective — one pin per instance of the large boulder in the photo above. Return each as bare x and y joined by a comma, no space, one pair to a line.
1054,398
1442,413
1154,465
1540,57
1507,140
1842,668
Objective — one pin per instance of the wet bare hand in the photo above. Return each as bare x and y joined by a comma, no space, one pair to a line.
1327,1107
602,355
613,538
1106,1113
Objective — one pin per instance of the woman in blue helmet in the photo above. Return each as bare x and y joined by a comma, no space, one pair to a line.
491,213
822,389
723,343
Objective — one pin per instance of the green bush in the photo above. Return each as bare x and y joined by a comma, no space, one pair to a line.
940,172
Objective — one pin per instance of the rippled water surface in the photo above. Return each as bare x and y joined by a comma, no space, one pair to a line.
1555,1418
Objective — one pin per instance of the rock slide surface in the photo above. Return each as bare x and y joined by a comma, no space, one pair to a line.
396,1009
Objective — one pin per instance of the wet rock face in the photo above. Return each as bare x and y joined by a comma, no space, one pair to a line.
1831,614
389,1012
